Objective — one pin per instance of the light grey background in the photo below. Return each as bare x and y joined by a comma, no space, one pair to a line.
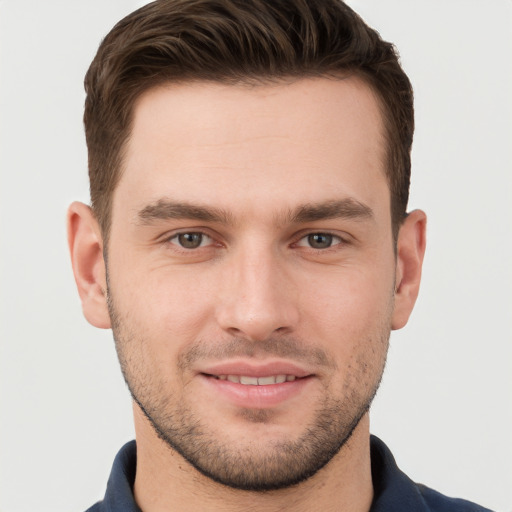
445,406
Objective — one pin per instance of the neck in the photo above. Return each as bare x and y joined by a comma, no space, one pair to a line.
165,481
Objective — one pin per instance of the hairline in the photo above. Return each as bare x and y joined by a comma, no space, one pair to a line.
251,80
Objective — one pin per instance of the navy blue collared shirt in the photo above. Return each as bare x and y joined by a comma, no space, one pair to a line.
393,490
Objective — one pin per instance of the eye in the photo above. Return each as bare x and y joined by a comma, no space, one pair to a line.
192,240
319,240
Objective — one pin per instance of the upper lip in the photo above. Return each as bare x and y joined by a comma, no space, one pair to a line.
253,369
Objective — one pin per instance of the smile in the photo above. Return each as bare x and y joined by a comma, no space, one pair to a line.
254,384
256,381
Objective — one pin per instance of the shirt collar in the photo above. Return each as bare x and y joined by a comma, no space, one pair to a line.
119,494
393,490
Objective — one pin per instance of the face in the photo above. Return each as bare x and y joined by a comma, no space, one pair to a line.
251,272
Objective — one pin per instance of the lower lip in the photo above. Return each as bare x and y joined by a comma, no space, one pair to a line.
256,397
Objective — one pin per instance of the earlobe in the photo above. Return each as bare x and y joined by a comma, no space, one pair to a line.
86,249
410,251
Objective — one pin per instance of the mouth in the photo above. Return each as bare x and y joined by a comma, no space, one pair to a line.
256,386
248,380
252,373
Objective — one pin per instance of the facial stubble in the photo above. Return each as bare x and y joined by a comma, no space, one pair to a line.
276,464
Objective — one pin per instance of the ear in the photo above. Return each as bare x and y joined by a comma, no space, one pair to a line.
410,251
86,248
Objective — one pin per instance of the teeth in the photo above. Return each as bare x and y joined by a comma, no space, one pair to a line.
257,381
263,381
252,381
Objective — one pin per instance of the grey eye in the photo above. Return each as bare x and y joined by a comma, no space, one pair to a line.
320,240
190,240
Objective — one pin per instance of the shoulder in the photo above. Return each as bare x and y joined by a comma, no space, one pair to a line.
97,507
437,502
119,495
394,490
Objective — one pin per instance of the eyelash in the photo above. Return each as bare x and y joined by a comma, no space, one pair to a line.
183,233
335,240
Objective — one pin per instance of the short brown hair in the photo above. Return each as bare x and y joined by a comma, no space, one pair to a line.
235,41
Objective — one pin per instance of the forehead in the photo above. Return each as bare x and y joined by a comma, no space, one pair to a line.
274,144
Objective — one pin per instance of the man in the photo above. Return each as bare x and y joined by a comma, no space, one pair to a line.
248,244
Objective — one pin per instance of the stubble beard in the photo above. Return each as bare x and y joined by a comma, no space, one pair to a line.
254,466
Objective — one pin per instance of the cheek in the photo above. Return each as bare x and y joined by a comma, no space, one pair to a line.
350,299
351,316
170,306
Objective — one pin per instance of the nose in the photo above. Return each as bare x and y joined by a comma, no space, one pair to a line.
258,296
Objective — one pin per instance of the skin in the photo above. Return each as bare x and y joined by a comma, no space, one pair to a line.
250,159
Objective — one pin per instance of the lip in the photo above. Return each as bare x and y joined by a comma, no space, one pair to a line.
252,369
255,396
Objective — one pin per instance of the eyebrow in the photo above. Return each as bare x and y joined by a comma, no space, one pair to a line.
165,209
348,208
